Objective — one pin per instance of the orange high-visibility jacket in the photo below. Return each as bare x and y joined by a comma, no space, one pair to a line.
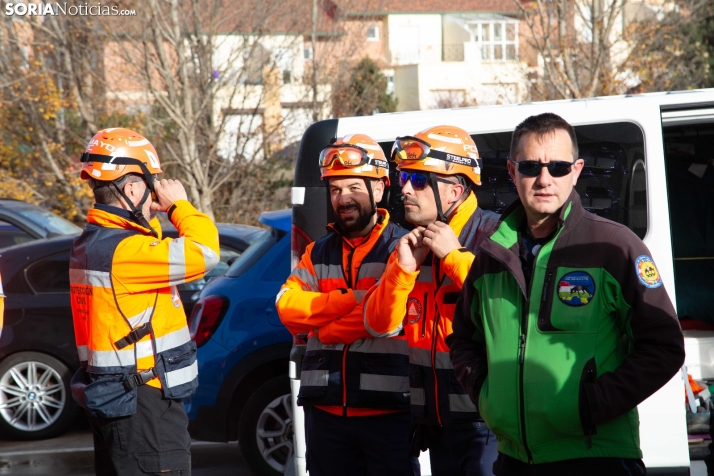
128,318
429,297
359,376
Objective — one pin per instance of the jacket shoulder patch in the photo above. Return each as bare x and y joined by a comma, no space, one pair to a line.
647,272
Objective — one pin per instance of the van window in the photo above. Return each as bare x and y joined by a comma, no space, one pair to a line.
611,185
690,190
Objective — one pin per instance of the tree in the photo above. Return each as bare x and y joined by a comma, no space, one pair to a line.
677,51
51,102
212,74
366,91
589,48
575,41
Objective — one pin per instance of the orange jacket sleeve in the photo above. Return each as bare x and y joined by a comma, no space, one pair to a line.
386,305
348,328
143,263
457,265
300,304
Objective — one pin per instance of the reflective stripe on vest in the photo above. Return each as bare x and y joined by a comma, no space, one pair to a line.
382,366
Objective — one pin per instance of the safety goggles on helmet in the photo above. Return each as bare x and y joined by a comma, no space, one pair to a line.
419,180
347,155
532,168
408,148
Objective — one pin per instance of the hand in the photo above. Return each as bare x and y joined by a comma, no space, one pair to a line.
168,191
440,239
411,251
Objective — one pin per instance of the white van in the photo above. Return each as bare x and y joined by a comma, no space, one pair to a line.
647,161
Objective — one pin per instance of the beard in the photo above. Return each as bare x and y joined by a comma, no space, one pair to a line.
353,225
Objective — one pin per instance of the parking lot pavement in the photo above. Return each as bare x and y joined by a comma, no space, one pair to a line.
73,454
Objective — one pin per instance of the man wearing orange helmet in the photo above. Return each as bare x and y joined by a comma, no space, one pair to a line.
355,390
137,360
424,275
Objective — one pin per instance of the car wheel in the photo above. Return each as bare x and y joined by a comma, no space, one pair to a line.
35,398
265,431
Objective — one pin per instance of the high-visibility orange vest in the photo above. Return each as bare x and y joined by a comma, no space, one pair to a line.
359,378
429,297
129,322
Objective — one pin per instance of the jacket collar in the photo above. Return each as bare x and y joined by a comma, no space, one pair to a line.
506,233
503,242
114,217
463,213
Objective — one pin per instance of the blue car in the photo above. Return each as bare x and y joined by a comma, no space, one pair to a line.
243,353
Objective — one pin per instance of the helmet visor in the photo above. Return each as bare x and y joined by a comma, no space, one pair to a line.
346,155
409,148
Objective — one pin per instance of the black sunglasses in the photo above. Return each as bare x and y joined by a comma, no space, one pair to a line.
419,180
532,168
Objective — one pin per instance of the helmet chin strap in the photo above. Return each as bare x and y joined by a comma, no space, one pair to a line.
443,216
371,195
137,212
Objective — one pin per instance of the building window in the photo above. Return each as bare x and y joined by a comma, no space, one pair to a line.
373,33
307,53
498,41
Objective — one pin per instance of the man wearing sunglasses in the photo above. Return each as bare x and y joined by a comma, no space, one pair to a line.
355,390
563,326
437,169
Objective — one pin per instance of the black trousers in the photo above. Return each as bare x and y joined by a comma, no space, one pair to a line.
154,440
507,466
358,446
462,452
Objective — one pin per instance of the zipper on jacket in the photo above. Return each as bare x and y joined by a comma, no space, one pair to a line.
177,357
349,267
521,363
544,296
423,317
434,336
344,380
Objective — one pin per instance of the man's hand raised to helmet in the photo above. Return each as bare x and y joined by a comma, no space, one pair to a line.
168,191
440,239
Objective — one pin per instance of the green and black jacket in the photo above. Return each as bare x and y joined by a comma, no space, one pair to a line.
558,367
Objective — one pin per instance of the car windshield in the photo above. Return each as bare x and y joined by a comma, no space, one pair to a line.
254,252
54,224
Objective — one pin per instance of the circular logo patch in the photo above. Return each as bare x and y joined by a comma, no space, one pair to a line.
413,310
647,272
576,288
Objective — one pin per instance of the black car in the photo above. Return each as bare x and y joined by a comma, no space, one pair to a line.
21,222
37,348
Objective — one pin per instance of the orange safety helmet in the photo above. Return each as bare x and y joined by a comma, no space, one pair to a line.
355,155
115,152
445,150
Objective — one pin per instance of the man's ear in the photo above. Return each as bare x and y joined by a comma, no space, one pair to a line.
457,191
378,187
511,170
